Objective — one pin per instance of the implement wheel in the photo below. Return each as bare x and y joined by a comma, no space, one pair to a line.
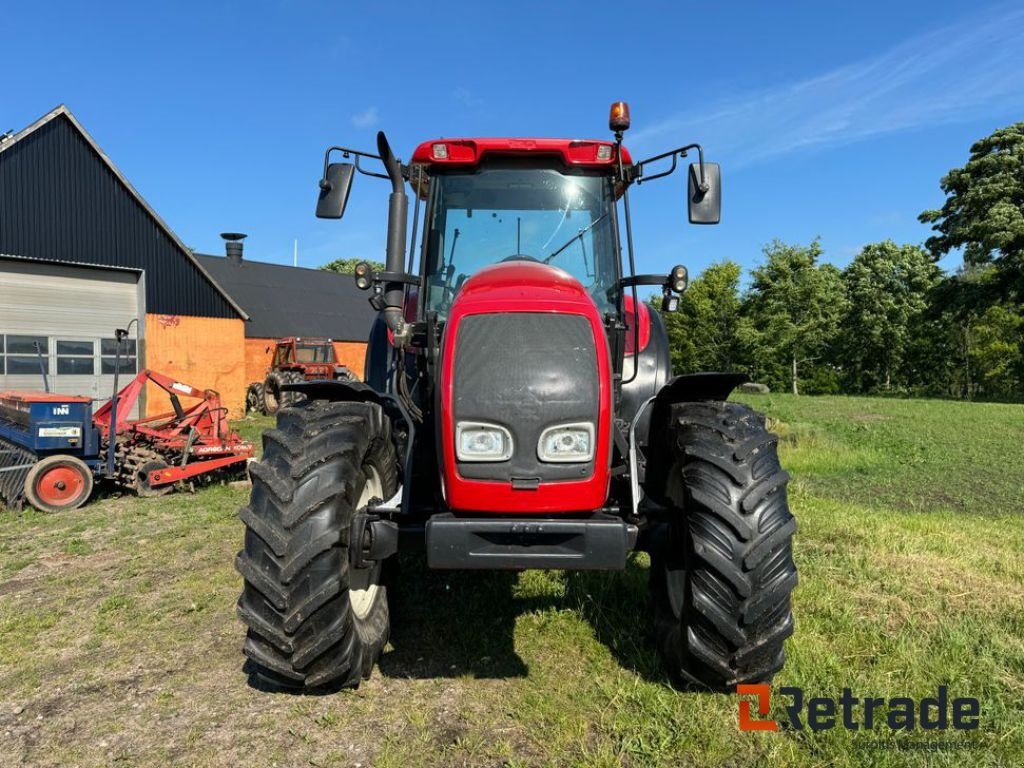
312,618
58,483
143,487
721,584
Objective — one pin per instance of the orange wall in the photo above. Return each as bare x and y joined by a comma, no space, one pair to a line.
260,352
206,352
353,355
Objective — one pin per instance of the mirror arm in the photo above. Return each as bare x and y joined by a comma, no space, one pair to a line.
396,277
627,282
369,173
675,154
346,152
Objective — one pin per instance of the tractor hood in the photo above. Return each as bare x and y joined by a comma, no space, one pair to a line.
524,281
524,350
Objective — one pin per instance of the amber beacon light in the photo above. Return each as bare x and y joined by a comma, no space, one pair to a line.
618,117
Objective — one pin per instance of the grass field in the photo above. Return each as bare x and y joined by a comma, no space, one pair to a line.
119,644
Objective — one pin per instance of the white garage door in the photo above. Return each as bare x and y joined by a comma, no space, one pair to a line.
70,313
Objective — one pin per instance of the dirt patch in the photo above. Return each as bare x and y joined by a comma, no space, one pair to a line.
13,586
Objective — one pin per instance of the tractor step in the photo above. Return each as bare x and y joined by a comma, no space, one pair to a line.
514,544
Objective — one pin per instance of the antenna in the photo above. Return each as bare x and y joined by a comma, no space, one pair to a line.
295,253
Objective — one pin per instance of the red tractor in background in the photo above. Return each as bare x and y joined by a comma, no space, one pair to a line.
295,359
519,411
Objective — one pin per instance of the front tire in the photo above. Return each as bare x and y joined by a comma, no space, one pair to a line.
275,397
272,394
312,619
254,402
720,586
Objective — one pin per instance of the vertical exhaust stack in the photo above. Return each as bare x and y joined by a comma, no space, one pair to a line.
398,212
233,246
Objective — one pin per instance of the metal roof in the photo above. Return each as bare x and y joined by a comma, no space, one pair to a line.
62,263
294,301
63,111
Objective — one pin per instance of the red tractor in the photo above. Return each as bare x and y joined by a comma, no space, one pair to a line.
295,359
519,412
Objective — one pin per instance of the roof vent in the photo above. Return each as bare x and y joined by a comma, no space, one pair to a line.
233,246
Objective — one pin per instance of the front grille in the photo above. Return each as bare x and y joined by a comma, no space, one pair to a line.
525,371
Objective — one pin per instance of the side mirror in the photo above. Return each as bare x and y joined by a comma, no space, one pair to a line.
334,189
705,205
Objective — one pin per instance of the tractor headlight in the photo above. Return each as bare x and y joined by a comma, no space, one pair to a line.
475,441
567,443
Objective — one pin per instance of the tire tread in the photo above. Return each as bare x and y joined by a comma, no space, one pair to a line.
301,631
721,589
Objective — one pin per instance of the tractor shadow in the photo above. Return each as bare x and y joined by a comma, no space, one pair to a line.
459,623
453,623
614,603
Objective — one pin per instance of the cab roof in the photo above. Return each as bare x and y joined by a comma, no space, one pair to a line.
580,153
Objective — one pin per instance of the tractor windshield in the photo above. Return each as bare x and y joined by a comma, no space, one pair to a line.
515,213
314,353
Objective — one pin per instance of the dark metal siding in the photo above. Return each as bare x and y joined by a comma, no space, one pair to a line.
60,201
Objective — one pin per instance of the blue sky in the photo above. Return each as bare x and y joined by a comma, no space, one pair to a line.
831,120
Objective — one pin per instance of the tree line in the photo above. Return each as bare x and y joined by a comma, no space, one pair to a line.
890,322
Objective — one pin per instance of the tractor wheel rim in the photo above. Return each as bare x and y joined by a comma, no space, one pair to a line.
364,583
60,486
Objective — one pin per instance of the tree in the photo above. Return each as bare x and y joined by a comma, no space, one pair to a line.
888,288
703,333
984,209
346,266
794,307
978,343
997,356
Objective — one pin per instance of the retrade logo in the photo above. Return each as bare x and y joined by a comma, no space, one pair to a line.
820,713
763,694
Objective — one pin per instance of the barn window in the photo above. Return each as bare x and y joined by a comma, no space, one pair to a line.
22,357
76,358
108,352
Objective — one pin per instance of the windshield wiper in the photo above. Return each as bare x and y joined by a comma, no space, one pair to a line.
578,236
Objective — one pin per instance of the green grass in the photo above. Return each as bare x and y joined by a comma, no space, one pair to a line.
119,645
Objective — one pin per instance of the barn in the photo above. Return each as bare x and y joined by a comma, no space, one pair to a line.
293,301
82,253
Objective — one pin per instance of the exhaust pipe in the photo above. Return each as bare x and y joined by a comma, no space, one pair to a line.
233,246
398,214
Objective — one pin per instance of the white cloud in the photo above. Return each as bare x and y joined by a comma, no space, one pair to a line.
963,71
368,118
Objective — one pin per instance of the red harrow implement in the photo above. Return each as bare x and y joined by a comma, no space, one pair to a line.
184,443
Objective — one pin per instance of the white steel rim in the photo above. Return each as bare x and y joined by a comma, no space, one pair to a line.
364,583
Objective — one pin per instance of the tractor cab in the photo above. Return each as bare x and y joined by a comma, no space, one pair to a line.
295,351
490,203
520,225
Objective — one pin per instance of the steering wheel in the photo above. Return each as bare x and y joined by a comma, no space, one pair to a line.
519,257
